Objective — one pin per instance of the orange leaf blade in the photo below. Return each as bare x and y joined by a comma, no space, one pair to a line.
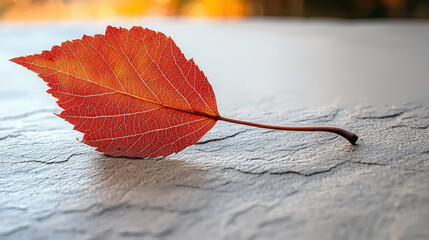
131,92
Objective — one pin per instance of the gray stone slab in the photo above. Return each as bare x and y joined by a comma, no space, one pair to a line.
238,182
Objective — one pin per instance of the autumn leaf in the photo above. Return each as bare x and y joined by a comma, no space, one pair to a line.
133,93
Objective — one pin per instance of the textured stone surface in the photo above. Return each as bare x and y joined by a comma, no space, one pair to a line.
237,182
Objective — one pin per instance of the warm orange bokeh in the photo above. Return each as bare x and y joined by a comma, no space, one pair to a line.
29,10
59,9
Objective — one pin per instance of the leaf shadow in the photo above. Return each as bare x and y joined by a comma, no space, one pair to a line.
148,180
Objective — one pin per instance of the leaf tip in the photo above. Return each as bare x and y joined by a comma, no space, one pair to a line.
15,59
23,61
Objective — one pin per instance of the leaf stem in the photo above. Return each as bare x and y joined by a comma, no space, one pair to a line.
351,137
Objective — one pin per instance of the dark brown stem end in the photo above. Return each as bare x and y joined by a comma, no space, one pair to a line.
351,137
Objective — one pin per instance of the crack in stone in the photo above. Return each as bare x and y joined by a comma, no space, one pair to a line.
214,150
328,118
245,172
410,127
119,207
369,163
107,209
259,159
288,171
202,187
268,131
190,186
393,115
267,208
398,126
275,221
312,173
86,209
53,162
44,217
235,215
163,209
12,135
129,233
14,230
219,139
321,118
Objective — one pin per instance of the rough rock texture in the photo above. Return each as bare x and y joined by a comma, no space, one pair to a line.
238,182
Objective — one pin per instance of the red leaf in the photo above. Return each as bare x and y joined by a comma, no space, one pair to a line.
131,92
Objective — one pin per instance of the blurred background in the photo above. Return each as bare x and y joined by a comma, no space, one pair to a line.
16,10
